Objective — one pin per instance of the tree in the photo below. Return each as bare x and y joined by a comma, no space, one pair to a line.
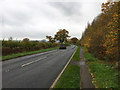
62,35
101,36
10,39
74,40
25,39
43,40
51,39
111,38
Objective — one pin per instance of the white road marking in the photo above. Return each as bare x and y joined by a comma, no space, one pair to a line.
32,62
7,70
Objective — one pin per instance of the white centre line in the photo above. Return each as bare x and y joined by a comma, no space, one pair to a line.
32,62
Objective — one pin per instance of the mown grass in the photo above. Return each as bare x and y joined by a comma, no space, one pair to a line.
90,57
104,75
70,78
25,53
76,56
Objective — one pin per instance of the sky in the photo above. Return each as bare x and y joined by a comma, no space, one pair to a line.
35,19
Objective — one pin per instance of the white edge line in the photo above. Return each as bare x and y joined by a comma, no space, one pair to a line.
54,83
32,62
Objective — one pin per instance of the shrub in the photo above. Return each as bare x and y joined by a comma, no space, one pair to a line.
12,47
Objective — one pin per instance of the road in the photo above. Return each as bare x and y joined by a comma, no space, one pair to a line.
35,71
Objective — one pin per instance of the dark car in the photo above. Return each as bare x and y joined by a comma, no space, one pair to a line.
62,46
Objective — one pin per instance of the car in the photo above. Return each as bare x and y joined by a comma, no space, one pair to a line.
62,46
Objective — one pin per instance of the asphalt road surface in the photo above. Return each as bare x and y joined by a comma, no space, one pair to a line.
35,71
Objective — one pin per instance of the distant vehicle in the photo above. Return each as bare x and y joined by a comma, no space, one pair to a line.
62,46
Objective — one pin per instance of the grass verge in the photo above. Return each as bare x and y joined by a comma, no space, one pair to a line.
104,75
25,53
76,56
70,78
90,57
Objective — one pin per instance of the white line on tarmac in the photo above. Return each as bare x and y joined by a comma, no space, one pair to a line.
32,62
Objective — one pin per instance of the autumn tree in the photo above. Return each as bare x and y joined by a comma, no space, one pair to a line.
62,35
68,41
10,39
26,39
111,38
101,36
74,40
51,39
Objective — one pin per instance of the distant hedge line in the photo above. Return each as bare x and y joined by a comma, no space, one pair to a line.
12,47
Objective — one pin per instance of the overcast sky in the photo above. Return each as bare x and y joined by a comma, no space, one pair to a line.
35,19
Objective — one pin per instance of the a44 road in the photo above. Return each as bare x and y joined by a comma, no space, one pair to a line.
35,71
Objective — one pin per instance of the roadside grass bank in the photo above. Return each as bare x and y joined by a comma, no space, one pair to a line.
104,75
26,53
71,76
76,56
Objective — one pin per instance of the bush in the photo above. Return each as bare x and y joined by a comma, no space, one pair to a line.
12,47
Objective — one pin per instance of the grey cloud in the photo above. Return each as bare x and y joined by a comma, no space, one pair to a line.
16,17
21,34
68,8
36,19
